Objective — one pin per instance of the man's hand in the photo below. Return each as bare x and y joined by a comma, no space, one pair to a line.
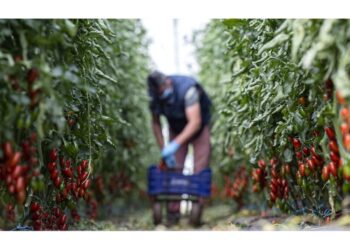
170,149
170,161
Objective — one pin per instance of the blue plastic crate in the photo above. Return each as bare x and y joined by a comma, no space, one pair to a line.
162,182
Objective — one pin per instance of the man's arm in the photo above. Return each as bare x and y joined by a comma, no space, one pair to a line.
157,130
193,115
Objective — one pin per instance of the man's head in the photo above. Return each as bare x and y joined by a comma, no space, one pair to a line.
159,85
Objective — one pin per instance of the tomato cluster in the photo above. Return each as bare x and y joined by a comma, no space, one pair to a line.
75,215
91,206
69,184
259,176
332,167
278,185
119,182
32,76
235,189
10,212
52,219
344,127
76,181
308,158
16,167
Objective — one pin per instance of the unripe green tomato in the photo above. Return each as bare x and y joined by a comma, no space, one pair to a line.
346,187
307,171
41,185
346,171
304,185
71,205
299,181
20,123
34,185
71,149
340,172
302,112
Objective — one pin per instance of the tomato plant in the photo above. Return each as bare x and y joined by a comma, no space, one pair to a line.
70,90
285,100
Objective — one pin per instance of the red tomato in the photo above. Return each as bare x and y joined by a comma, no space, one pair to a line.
12,189
258,172
20,185
67,172
286,190
325,173
83,176
33,161
296,143
32,75
54,174
21,197
35,216
333,146
14,160
79,170
8,151
330,133
64,227
81,192
332,168
261,164
306,151
62,161
63,219
37,225
58,182
273,161
256,188
272,197
346,142
334,157
33,137
340,98
86,184
35,206
16,172
284,183
287,168
57,212
68,163
311,165
344,128
299,155
52,166
84,164
316,161
345,112
255,176
53,155
302,169
273,188
26,148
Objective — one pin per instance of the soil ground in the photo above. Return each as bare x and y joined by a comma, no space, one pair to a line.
219,217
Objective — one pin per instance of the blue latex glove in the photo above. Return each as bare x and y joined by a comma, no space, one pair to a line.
170,149
170,161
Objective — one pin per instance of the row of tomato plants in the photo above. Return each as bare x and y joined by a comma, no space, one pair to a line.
282,109
72,117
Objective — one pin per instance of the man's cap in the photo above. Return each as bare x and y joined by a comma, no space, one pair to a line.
155,80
